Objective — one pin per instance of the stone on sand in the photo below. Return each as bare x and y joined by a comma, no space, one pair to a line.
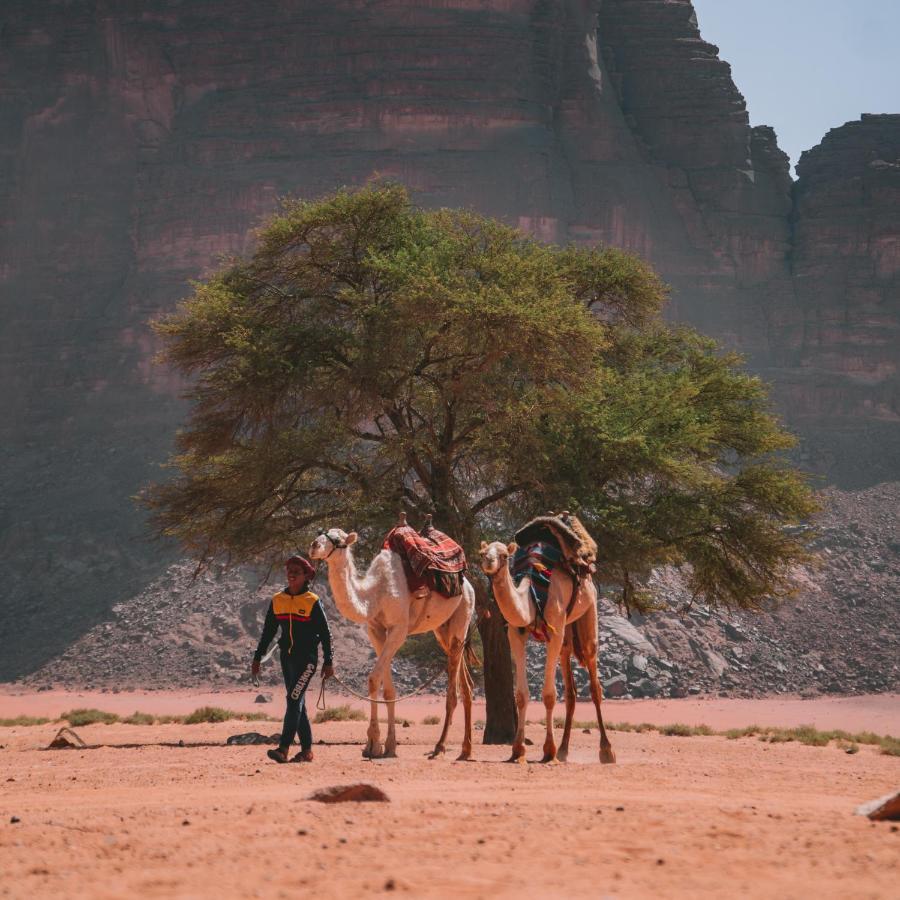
350,793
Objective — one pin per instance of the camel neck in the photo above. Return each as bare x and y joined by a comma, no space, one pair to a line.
345,586
514,602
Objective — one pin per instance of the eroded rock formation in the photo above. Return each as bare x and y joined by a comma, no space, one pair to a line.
141,140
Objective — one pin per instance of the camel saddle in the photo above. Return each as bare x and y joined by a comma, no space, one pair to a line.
430,558
578,548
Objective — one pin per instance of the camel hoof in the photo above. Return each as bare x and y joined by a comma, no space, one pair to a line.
465,756
437,753
550,761
607,756
518,756
563,756
373,751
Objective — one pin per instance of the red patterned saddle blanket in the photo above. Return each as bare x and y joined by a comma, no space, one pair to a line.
430,558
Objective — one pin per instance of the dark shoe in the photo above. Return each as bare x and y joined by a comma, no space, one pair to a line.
303,756
279,755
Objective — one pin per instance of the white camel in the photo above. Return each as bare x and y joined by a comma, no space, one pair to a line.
573,629
381,599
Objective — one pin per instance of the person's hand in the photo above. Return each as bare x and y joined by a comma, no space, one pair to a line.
254,668
327,671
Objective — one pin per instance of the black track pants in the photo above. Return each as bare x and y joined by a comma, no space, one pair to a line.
298,673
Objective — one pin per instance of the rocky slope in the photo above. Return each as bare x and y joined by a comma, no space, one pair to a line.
140,141
841,633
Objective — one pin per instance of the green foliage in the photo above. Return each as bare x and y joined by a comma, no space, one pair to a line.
22,721
80,717
423,650
342,713
371,355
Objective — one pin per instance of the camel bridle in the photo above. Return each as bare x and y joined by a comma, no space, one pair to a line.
339,544
504,563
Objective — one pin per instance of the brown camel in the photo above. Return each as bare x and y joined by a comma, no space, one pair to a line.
573,630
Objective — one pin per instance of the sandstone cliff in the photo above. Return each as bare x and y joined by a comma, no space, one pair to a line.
141,140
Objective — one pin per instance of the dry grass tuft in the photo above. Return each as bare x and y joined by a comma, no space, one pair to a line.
342,713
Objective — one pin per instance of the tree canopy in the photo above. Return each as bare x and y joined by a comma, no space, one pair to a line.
370,356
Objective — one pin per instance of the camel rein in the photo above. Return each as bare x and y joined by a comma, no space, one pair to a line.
321,704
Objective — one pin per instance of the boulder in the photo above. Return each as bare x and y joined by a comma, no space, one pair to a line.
615,687
350,793
884,808
253,737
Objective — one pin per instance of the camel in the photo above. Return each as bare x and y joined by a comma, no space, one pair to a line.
382,601
573,633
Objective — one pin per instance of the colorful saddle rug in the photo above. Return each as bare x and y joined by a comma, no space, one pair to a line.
430,559
537,560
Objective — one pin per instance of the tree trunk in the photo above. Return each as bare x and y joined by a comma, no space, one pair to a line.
500,724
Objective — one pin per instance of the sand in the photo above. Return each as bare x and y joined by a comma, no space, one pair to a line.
676,817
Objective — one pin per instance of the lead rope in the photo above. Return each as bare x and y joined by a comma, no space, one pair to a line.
321,705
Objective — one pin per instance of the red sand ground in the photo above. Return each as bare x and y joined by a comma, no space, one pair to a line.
676,817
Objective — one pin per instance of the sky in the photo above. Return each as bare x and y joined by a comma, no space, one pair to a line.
806,66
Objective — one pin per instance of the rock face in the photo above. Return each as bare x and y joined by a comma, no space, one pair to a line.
841,375
140,141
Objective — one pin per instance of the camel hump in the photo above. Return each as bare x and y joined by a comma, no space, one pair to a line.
576,544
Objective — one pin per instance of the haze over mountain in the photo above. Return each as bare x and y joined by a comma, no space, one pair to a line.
142,140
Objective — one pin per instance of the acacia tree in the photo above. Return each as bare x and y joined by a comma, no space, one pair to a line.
371,356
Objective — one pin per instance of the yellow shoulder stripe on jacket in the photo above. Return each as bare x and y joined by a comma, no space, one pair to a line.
300,605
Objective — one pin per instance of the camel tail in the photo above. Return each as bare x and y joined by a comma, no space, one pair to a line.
578,647
470,657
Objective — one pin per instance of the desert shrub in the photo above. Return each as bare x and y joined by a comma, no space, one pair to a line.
679,730
80,717
344,713
431,720
747,731
22,721
560,722
139,718
217,714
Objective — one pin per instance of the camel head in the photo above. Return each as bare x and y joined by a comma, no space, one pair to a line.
330,540
495,555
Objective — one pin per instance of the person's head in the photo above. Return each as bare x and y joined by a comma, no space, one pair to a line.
298,571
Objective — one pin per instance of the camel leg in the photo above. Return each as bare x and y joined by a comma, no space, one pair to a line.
565,661
390,695
395,638
468,688
517,641
373,748
453,648
588,635
554,647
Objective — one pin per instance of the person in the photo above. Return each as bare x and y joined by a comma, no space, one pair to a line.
303,627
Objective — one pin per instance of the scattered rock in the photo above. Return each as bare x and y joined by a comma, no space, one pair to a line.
253,737
350,793
263,698
883,809
615,687
13,820
66,739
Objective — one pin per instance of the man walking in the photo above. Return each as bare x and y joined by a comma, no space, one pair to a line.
303,627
